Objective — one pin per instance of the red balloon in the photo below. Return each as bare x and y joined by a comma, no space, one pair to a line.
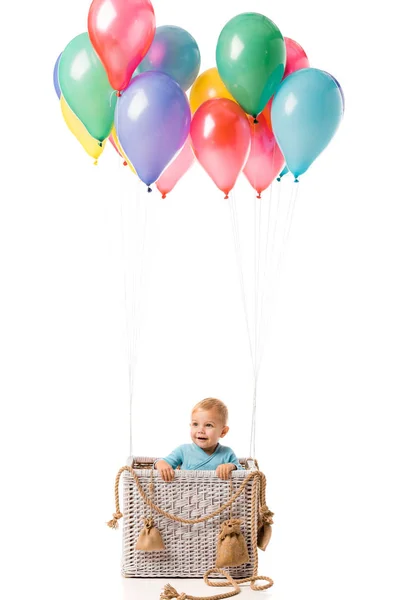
265,161
221,138
111,138
296,58
176,170
121,32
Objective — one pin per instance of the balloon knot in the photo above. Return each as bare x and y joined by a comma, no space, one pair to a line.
96,162
226,197
125,163
101,144
278,178
118,94
259,195
255,121
164,196
149,189
296,180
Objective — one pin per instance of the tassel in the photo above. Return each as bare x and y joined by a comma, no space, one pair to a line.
114,522
169,593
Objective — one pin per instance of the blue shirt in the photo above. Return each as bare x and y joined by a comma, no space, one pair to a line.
190,457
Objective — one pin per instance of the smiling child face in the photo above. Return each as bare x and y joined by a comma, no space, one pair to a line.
206,428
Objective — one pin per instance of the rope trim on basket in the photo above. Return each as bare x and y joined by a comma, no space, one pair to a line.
169,592
118,515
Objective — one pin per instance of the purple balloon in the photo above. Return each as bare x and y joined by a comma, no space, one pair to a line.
55,77
152,119
339,86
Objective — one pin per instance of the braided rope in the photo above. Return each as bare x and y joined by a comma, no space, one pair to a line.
118,515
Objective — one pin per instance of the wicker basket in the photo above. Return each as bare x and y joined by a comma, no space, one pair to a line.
190,549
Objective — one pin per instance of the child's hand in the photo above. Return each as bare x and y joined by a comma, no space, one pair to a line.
166,471
224,471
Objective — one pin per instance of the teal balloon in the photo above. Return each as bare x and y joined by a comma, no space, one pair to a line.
284,172
306,112
85,87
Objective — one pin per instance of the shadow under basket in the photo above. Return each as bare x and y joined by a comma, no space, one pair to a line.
190,549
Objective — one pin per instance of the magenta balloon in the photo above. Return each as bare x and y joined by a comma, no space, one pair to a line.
152,118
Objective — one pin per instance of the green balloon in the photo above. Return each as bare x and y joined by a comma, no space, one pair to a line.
85,87
251,58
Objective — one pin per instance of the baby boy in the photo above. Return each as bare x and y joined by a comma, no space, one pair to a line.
208,425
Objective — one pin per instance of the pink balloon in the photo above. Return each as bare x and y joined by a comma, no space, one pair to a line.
221,140
121,32
296,58
178,167
111,138
265,161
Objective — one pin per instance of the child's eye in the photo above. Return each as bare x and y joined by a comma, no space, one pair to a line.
209,425
194,424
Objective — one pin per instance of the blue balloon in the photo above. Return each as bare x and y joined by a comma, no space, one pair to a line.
173,52
152,119
55,77
284,171
306,112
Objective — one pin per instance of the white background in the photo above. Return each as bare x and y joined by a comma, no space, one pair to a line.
329,383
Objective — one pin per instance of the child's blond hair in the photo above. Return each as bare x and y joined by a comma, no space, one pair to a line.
209,403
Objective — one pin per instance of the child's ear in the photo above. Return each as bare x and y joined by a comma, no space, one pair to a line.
224,431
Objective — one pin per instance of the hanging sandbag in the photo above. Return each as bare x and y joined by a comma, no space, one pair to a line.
231,547
150,539
264,527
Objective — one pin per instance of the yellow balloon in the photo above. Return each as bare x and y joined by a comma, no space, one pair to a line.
122,153
208,85
76,127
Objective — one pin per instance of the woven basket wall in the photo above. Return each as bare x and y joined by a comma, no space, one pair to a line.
190,549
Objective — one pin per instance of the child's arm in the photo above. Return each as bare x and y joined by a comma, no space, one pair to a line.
224,471
167,465
232,463
166,471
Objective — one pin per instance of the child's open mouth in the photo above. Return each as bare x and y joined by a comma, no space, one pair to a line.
202,439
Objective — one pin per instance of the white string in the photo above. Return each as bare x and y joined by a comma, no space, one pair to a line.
233,213
133,250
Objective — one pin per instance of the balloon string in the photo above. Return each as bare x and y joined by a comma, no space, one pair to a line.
235,231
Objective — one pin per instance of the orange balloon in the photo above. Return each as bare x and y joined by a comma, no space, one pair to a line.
221,141
207,86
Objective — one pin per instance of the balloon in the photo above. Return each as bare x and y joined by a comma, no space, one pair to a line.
55,77
115,142
85,87
296,58
221,140
207,86
173,52
152,119
91,145
284,172
251,60
178,167
265,160
121,32
306,112
339,87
